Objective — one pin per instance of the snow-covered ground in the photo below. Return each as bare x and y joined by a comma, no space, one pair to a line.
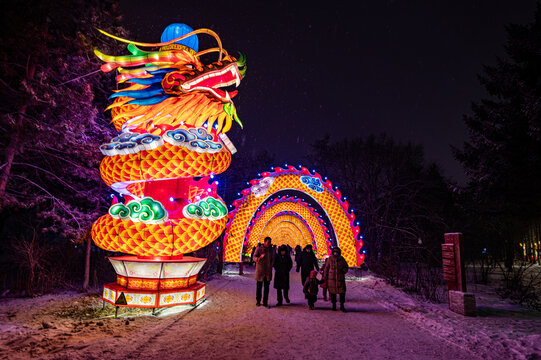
382,323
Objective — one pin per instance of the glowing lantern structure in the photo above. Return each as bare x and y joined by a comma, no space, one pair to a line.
172,113
269,207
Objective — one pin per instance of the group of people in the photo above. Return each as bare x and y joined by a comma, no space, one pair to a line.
333,274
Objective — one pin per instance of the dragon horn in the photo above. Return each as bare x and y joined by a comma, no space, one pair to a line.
198,31
203,52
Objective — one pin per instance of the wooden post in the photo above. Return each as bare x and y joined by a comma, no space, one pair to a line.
454,271
86,278
449,266
453,262
220,266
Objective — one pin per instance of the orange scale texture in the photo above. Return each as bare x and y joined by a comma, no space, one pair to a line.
165,162
172,238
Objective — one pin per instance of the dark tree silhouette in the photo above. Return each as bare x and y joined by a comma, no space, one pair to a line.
51,118
400,201
404,206
503,155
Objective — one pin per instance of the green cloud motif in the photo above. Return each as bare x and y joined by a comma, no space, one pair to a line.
146,210
207,208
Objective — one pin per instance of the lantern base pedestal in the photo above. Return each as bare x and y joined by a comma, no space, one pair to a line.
155,282
118,295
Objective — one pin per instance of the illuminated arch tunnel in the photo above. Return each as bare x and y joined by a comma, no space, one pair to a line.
296,207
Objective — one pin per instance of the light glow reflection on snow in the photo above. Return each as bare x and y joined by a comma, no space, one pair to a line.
163,312
173,310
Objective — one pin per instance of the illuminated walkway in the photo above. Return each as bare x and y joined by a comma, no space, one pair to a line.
229,325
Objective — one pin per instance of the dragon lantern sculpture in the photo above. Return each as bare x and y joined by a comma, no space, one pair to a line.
172,113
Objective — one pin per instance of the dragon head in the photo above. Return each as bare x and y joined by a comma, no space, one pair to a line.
211,78
172,87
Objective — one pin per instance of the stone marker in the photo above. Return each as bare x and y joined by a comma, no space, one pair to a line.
454,272
462,303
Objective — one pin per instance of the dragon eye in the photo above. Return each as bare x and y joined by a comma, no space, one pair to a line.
189,66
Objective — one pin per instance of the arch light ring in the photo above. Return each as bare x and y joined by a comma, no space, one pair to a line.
321,244
322,191
277,222
286,236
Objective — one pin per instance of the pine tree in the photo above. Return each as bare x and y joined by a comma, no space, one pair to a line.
503,155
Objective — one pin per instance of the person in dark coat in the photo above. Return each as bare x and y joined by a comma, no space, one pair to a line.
335,275
252,261
282,267
324,281
298,253
310,289
307,263
264,258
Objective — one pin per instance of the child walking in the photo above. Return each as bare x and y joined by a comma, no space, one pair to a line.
324,280
311,288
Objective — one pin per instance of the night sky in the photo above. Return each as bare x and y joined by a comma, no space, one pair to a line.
407,68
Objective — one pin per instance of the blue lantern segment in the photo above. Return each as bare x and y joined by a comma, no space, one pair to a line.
177,30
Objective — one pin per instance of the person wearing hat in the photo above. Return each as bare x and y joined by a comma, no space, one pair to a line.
298,253
335,274
307,263
264,258
282,267
310,289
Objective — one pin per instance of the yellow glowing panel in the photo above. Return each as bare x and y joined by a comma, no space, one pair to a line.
138,299
177,270
149,270
177,298
109,294
119,267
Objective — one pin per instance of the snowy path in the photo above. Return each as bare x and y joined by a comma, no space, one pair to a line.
382,323
229,325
